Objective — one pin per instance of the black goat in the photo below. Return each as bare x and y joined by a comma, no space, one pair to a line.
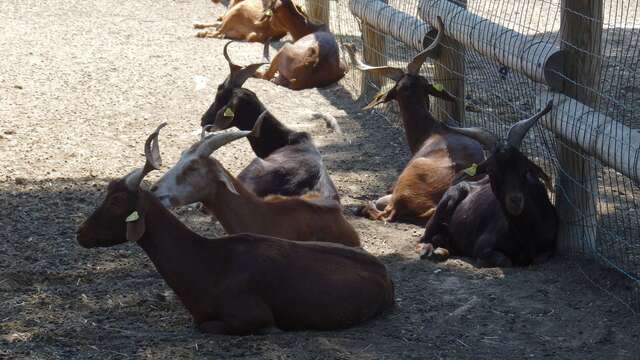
288,163
503,219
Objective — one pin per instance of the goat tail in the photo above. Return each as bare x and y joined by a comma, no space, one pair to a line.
329,120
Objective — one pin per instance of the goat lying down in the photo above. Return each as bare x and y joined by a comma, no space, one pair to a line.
438,153
242,283
243,21
313,60
503,219
288,162
197,177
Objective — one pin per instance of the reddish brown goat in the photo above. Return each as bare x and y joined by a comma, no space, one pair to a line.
243,21
438,153
197,177
313,60
243,283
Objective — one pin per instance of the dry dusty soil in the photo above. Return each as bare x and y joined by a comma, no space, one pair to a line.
81,85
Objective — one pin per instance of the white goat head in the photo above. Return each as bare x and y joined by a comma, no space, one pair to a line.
197,175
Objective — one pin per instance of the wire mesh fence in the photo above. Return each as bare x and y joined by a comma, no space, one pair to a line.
598,199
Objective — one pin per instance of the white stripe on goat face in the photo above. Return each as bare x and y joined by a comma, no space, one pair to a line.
187,182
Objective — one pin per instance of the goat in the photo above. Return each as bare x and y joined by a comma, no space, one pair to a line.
288,163
243,283
243,21
197,177
313,60
503,219
438,153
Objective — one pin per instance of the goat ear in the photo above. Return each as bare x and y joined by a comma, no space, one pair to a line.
382,97
438,90
224,178
540,174
135,226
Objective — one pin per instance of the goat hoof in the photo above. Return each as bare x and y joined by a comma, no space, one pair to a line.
440,254
425,250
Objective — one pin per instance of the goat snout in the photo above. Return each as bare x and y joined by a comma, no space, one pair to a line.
515,204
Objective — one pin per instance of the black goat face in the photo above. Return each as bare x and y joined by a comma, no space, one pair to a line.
220,104
411,87
508,171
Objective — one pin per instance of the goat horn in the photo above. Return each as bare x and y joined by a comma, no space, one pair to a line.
391,72
485,137
216,141
257,127
414,66
153,160
518,131
232,67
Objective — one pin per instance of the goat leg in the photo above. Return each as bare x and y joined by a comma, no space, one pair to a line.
206,25
383,202
275,64
488,257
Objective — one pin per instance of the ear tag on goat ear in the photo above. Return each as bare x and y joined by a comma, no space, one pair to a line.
268,12
133,217
471,170
438,87
228,112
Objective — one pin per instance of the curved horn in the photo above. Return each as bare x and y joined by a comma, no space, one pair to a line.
232,67
414,66
391,72
257,127
216,141
239,77
485,137
153,160
518,131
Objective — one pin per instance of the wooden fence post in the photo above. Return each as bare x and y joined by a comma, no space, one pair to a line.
318,10
373,53
449,71
577,184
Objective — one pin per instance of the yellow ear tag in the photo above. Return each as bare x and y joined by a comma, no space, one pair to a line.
133,217
439,87
228,112
471,170
268,12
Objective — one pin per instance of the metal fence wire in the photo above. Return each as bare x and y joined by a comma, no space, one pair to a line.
593,151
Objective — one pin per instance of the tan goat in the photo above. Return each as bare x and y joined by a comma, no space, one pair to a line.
243,21
313,60
197,177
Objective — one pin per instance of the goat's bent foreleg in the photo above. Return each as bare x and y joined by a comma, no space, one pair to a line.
206,25
275,64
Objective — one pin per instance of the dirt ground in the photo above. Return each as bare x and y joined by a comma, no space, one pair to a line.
81,85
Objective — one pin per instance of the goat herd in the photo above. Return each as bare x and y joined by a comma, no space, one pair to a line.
292,260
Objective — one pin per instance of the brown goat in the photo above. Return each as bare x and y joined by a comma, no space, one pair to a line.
438,153
243,21
197,177
243,283
313,60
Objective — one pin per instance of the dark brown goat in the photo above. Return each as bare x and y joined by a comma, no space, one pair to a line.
438,153
243,283
505,218
288,162
313,60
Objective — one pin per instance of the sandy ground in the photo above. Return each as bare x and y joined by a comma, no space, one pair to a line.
83,82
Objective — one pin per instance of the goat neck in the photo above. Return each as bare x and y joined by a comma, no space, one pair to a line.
273,134
169,244
418,122
242,212
298,24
